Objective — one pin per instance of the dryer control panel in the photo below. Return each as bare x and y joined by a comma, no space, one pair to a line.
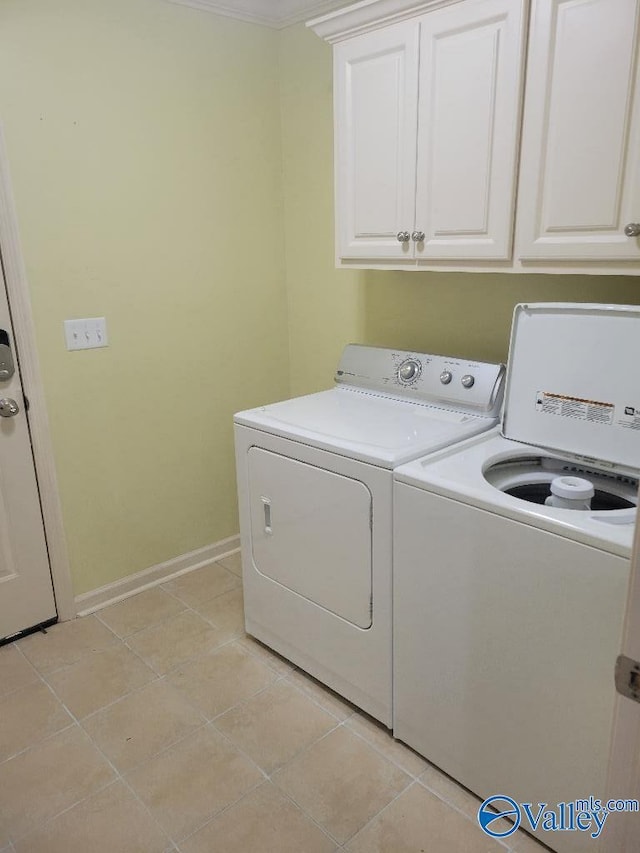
475,387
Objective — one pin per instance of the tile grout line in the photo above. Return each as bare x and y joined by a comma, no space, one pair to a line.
118,775
413,776
268,776
203,718
36,745
455,806
220,812
309,817
161,585
280,677
121,775
380,811
14,645
64,666
157,678
317,701
451,804
187,609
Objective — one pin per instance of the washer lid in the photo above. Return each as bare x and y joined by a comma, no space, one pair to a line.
572,381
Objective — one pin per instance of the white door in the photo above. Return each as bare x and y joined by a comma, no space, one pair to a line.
580,163
622,830
471,64
375,97
26,590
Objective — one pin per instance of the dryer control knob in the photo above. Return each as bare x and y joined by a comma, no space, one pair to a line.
446,376
468,380
409,370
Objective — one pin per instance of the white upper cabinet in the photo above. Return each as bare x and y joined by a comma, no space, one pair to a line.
443,142
580,170
468,128
376,107
427,120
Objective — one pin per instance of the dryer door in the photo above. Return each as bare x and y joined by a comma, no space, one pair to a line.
311,533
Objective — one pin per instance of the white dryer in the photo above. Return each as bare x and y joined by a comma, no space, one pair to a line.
511,562
315,499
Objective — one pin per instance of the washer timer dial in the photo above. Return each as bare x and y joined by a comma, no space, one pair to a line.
409,371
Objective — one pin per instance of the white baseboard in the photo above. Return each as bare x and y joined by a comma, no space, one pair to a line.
96,599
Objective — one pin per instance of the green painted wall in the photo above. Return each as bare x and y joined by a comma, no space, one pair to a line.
144,146
461,314
173,172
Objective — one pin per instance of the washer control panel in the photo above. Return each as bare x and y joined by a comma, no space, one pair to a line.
453,383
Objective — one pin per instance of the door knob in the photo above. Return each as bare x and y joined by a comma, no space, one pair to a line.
8,407
418,236
632,229
403,236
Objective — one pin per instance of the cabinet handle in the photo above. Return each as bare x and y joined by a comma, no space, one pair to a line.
631,230
403,236
418,236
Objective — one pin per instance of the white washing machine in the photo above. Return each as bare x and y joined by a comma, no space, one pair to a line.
315,497
508,611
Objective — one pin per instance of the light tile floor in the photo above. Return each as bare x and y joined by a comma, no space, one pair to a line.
156,724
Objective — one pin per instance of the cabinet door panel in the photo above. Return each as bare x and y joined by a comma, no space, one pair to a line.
376,79
468,127
580,174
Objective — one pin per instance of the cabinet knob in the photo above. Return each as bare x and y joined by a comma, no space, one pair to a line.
632,229
403,236
418,236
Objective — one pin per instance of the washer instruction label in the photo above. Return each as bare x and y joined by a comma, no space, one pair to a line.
594,411
629,417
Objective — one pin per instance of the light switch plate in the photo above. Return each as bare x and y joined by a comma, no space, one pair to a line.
88,333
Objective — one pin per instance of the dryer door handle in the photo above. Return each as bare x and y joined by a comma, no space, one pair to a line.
266,505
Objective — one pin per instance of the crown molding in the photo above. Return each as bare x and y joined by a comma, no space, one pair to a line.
277,14
357,18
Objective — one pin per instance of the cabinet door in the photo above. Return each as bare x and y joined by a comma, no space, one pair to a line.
376,93
471,58
580,167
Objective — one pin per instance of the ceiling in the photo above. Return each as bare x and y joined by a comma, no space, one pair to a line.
271,13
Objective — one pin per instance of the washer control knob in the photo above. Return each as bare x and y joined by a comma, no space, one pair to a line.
409,370
468,380
446,376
